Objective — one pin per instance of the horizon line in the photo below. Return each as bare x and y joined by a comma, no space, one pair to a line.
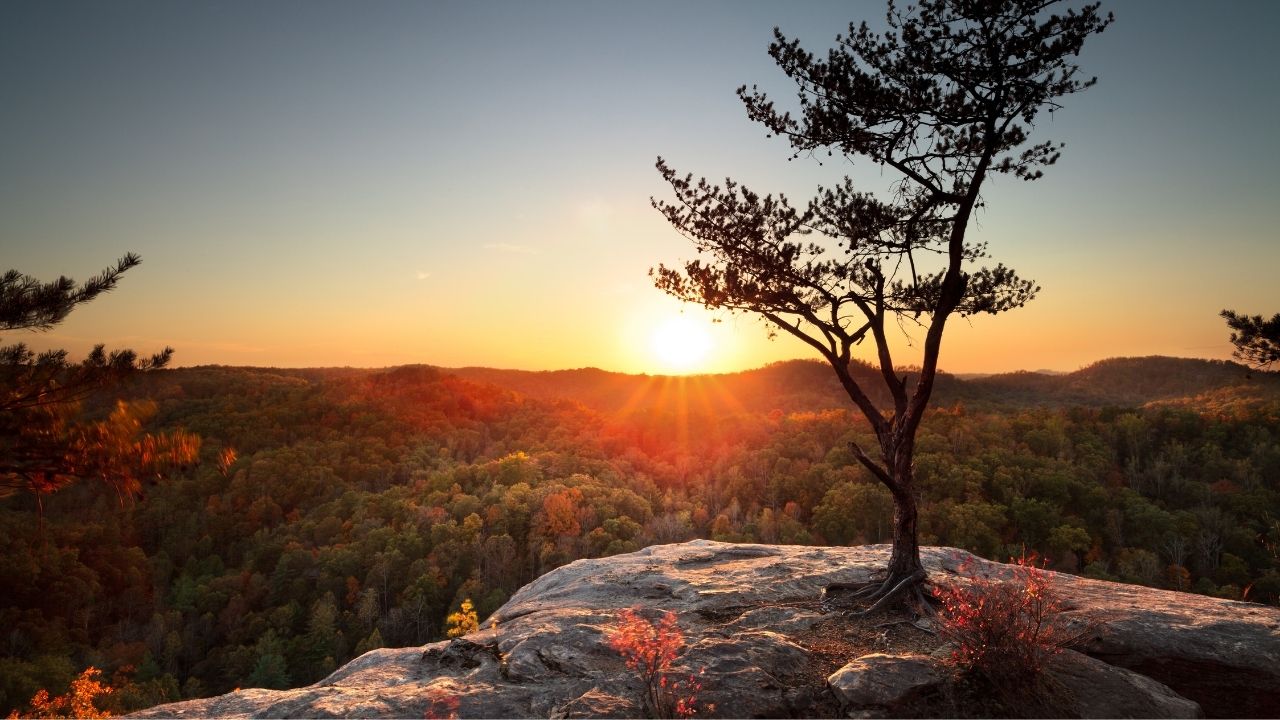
905,368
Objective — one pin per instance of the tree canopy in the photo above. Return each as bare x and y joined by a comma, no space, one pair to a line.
366,505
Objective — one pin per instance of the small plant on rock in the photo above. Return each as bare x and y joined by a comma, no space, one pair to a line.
1004,630
463,621
650,649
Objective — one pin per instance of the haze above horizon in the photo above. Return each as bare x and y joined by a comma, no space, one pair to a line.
328,184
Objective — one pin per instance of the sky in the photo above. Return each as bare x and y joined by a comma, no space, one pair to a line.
375,184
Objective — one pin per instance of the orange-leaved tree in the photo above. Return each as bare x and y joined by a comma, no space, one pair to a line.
80,700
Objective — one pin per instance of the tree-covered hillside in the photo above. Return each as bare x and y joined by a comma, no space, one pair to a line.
335,511
801,385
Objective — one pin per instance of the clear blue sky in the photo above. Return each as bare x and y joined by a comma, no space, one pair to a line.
468,183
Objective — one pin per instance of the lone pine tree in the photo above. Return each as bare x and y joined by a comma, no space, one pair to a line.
944,99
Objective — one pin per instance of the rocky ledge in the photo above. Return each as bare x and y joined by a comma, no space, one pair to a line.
753,627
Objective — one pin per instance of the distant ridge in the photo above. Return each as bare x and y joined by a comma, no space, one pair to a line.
808,385
787,386
1130,381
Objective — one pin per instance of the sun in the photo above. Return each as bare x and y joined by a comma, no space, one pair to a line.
681,343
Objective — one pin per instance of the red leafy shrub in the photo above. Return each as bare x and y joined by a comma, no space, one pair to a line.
1003,630
649,650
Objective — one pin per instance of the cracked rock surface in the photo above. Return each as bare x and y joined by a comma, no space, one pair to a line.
745,611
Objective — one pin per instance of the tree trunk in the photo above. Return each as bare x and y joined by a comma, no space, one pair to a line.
905,559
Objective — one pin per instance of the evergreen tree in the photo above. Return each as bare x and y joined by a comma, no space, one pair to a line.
30,380
1257,340
270,670
44,444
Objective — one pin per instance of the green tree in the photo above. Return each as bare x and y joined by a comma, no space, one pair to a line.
373,642
1069,539
1257,340
945,99
854,512
270,670
321,643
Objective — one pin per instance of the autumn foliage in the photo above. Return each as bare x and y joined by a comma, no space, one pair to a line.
649,650
45,449
78,702
1004,630
463,621
365,505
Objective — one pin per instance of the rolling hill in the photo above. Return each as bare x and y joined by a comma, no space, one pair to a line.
808,385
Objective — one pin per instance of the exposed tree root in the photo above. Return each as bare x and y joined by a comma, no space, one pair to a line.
910,582
832,596
874,590
881,593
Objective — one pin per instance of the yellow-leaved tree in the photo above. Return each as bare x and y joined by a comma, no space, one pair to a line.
463,621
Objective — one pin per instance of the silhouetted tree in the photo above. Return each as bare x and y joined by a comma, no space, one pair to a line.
43,444
28,379
1257,340
944,99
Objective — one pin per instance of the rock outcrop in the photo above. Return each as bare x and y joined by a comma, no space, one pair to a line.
765,648
886,683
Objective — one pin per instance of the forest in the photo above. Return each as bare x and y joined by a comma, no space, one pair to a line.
333,511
